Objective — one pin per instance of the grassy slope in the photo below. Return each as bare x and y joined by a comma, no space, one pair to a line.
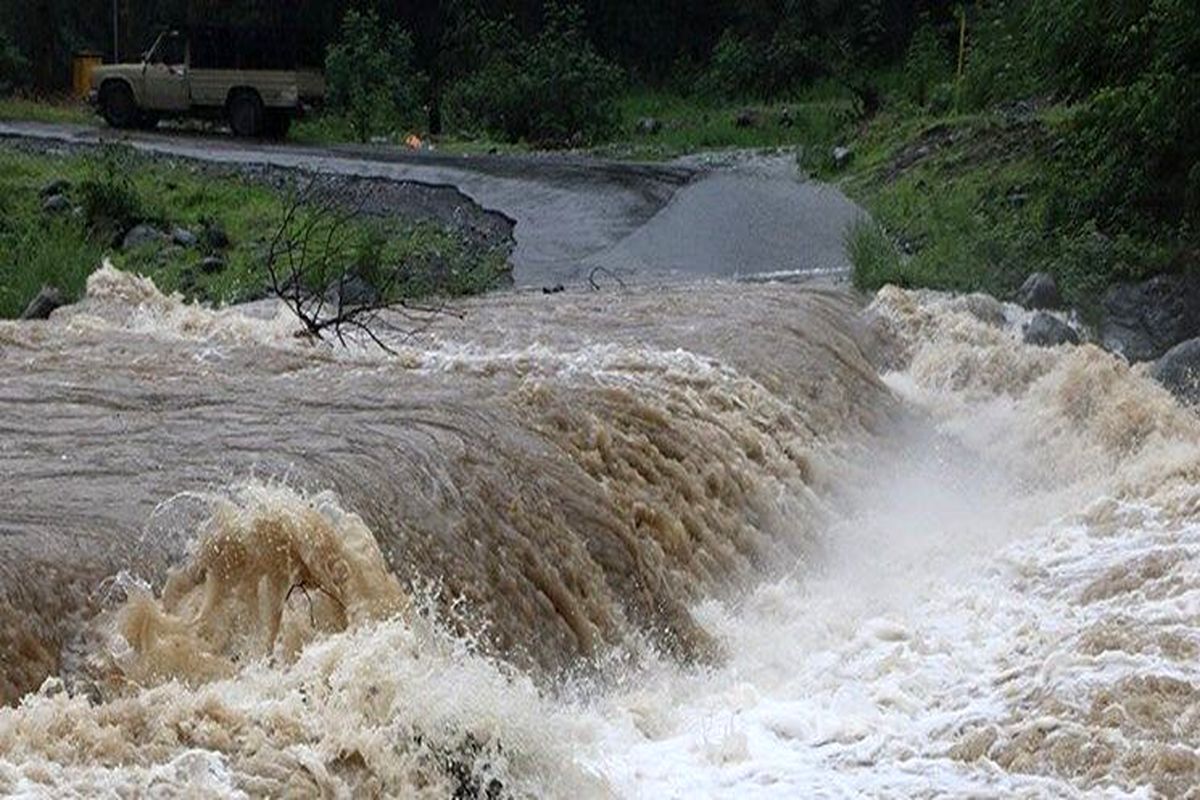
60,250
972,203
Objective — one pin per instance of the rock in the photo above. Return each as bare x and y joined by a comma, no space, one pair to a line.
46,300
56,204
1047,330
183,237
1039,291
983,307
353,291
214,236
842,156
746,118
1142,321
140,236
648,126
1179,371
55,187
212,264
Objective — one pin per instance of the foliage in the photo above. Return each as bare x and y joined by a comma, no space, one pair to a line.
110,201
553,90
37,248
370,75
13,66
926,64
873,257
1133,157
743,67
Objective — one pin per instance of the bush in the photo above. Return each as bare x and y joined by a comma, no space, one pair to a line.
1133,157
1001,64
742,66
555,90
110,202
370,76
13,66
874,259
926,64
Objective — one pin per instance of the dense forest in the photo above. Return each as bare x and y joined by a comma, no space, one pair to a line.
1113,86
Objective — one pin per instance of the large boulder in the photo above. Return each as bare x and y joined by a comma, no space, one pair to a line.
1142,321
213,235
55,187
56,204
1047,330
1179,371
746,118
183,237
46,300
210,265
648,126
1039,291
142,235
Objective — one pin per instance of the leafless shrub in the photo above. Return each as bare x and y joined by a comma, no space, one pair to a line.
316,262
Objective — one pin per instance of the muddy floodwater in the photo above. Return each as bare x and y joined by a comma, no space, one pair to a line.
719,540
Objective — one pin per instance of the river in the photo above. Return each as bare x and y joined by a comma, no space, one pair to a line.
716,540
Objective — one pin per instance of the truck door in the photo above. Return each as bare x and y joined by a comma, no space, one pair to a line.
166,72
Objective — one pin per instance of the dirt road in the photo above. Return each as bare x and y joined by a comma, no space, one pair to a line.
704,218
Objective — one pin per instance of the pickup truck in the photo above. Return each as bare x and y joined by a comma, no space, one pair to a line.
247,78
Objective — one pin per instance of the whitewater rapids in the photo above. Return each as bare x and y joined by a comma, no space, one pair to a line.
720,541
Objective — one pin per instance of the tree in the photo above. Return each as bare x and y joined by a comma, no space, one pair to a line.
370,75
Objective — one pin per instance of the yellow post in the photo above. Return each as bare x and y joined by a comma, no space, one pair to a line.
81,71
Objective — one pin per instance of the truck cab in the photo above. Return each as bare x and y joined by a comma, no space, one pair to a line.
248,78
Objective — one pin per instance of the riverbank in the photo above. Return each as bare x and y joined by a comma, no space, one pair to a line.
205,230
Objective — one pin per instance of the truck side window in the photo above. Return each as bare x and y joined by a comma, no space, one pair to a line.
172,51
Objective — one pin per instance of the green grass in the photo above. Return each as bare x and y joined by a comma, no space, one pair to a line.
58,110
61,250
687,125
692,124
973,203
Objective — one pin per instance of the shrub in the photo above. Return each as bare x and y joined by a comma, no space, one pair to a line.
111,204
370,75
874,259
926,64
1000,63
1133,156
555,90
13,66
742,66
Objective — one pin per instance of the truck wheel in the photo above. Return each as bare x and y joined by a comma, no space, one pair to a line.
246,114
278,124
118,106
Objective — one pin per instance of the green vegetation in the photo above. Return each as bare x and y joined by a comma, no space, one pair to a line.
552,90
115,188
45,110
370,76
1064,149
